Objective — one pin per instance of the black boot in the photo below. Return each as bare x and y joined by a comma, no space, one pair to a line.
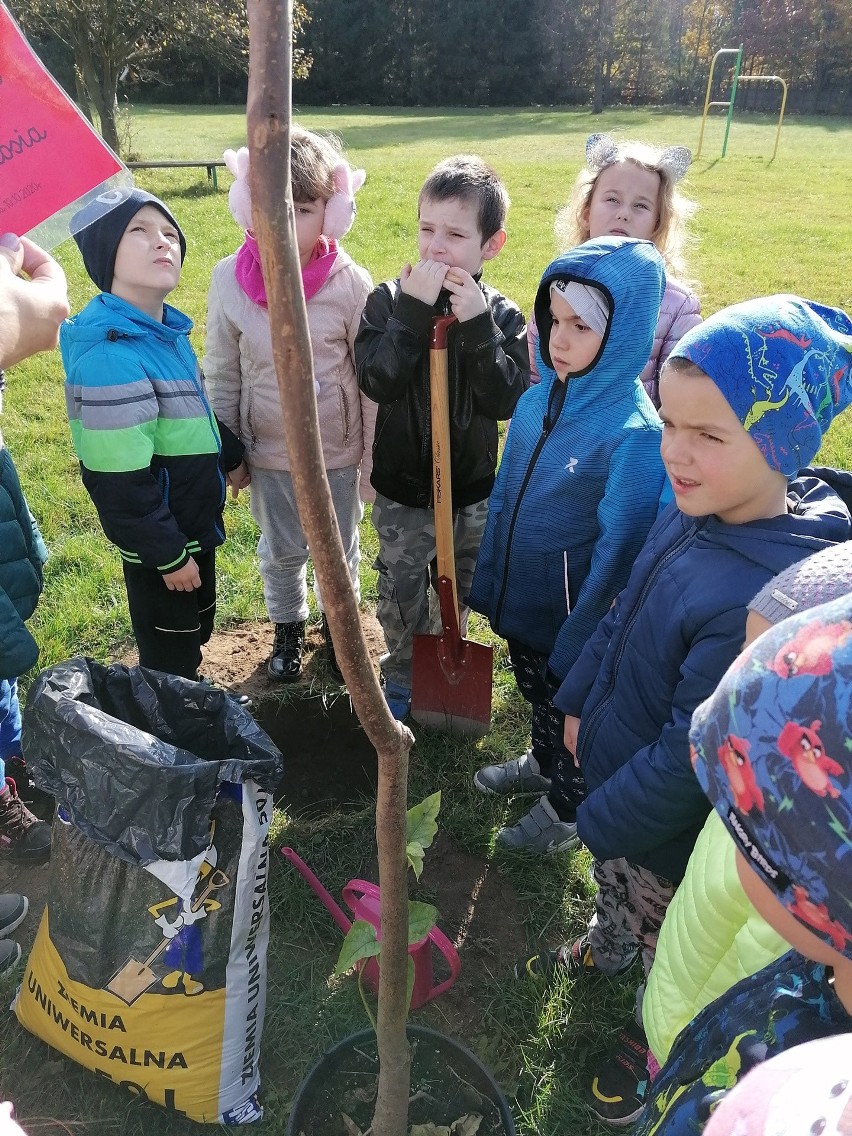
329,648
285,663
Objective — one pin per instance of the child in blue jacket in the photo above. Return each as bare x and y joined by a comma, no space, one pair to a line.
745,398
577,491
153,456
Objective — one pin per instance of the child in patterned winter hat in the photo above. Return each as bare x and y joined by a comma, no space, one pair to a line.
712,937
771,749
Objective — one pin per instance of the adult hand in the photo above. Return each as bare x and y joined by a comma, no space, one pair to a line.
466,297
185,579
423,280
8,1124
238,479
572,728
32,306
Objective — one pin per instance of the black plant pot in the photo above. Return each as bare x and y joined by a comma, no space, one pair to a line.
447,1081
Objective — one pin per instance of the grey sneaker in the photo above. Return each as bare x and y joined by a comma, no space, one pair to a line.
520,777
540,830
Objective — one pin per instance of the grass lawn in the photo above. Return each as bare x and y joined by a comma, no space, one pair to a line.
762,227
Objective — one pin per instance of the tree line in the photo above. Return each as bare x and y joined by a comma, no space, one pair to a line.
523,52
449,52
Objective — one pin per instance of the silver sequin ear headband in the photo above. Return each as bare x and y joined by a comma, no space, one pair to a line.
602,151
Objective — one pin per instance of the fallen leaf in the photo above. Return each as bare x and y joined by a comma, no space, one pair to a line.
467,1125
429,1129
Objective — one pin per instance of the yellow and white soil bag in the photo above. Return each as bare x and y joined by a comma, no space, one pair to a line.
150,968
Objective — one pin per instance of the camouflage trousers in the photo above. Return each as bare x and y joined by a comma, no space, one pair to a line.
407,583
630,905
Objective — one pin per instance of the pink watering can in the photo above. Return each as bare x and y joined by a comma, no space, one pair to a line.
364,901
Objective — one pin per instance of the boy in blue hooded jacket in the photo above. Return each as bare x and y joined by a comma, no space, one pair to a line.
577,491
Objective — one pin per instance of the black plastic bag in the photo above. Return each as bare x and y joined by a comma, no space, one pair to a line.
136,756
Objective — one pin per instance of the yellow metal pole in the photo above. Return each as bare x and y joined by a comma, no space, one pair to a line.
771,79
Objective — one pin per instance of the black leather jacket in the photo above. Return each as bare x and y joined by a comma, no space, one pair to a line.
488,365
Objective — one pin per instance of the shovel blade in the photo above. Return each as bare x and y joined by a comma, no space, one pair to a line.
451,685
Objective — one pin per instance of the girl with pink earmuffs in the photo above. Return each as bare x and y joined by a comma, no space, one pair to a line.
243,388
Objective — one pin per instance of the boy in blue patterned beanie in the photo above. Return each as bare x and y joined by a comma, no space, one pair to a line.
771,749
745,398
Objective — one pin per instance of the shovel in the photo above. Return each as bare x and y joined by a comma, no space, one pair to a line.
132,980
450,676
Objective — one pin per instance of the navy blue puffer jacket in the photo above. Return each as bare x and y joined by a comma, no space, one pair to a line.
674,631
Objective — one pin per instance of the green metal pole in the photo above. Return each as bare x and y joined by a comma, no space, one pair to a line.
730,114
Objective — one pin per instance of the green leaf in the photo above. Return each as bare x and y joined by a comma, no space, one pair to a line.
421,824
414,855
422,917
360,943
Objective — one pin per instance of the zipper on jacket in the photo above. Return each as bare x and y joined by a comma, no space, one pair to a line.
598,712
555,403
344,413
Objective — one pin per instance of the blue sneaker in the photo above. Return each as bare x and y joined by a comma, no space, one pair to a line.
398,698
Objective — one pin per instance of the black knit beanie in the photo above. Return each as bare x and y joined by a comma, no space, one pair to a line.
99,226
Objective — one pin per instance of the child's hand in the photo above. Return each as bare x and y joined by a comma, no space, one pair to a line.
185,579
572,728
466,297
424,280
238,479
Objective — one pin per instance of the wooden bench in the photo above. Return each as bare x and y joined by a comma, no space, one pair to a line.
211,165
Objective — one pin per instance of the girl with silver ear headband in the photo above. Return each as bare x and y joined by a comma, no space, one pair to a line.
631,189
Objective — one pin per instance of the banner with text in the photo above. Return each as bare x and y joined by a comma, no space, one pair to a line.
51,159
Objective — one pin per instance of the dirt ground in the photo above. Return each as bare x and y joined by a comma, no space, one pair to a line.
479,908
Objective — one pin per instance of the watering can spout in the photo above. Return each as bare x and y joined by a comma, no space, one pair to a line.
326,898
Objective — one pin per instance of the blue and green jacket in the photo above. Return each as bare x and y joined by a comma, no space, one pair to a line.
579,482
152,454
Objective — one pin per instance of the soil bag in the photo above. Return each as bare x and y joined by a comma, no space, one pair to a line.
149,965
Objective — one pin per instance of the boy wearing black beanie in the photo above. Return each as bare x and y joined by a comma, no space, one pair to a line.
153,456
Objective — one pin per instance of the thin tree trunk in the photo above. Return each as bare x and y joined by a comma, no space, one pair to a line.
268,121
598,91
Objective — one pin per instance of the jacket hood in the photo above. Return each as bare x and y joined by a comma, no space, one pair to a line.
817,518
107,313
341,261
631,275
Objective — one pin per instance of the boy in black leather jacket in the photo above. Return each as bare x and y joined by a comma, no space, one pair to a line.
462,210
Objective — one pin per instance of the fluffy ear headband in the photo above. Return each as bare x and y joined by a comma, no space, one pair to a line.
340,207
602,151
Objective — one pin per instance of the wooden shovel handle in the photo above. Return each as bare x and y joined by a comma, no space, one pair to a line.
441,469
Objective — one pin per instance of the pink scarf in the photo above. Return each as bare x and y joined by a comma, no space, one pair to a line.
249,273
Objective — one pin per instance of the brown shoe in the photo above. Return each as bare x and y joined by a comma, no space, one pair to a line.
24,839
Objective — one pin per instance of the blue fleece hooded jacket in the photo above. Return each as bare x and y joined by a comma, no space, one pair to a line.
579,482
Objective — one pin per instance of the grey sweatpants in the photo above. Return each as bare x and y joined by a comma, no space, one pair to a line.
283,549
407,596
